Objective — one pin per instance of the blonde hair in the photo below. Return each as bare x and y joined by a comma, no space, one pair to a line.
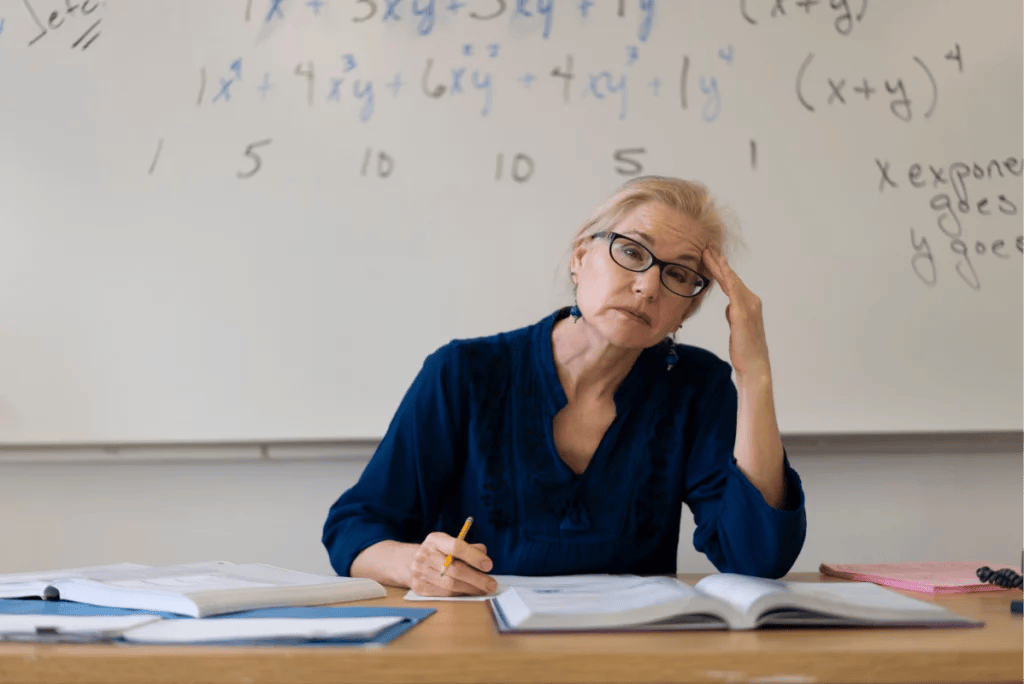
687,197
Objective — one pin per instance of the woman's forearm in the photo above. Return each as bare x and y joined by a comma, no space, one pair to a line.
758,449
387,562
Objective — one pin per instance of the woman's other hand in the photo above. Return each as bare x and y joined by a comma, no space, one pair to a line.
748,346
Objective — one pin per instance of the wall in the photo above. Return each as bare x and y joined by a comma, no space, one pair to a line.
953,498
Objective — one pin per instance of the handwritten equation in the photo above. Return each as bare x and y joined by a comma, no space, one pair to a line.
844,18
863,88
603,83
424,13
910,92
337,84
621,77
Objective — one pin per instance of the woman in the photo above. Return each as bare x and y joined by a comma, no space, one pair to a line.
574,442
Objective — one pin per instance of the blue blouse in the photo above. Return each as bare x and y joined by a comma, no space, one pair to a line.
474,436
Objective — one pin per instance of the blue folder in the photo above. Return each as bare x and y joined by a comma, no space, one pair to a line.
411,617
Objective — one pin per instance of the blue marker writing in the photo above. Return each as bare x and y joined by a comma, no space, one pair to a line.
225,90
367,109
647,7
275,10
621,87
266,85
457,75
390,11
335,94
595,88
713,106
395,85
546,9
426,15
485,85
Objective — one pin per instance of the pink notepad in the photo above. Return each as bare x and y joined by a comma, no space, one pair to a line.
940,577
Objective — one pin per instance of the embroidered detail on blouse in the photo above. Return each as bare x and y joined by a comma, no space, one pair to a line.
492,421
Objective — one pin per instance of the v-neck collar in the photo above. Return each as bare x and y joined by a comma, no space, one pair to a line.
552,395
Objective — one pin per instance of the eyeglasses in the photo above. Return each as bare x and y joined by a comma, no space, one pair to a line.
632,256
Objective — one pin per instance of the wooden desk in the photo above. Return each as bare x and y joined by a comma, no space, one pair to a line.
459,644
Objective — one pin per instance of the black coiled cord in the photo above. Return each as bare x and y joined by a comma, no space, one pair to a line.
1005,578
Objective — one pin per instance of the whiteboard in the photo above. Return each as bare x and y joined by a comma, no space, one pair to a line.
251,220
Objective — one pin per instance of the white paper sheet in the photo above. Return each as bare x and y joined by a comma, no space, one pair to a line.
69,627
255,629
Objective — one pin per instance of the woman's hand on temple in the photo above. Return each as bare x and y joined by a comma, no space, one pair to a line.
748,346
466,576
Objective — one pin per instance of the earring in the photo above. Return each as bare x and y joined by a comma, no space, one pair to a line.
574,310
671,359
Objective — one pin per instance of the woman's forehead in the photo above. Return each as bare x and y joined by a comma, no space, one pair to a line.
662,227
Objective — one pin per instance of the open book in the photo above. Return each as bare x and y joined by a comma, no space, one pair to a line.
723,601
195,589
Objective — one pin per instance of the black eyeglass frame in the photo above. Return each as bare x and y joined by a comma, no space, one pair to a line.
612,236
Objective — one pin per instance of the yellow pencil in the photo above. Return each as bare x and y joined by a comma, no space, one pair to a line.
461,537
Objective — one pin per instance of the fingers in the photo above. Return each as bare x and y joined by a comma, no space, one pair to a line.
720,270
459,580
474,555
466,575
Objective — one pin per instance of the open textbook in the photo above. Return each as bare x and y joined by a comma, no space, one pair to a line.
722,601
195,589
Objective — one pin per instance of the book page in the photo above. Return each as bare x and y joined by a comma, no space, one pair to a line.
100,572
820,602
868,597
23,590
187,584
33,584
740,591
596,595
195,578
525,581
201,589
